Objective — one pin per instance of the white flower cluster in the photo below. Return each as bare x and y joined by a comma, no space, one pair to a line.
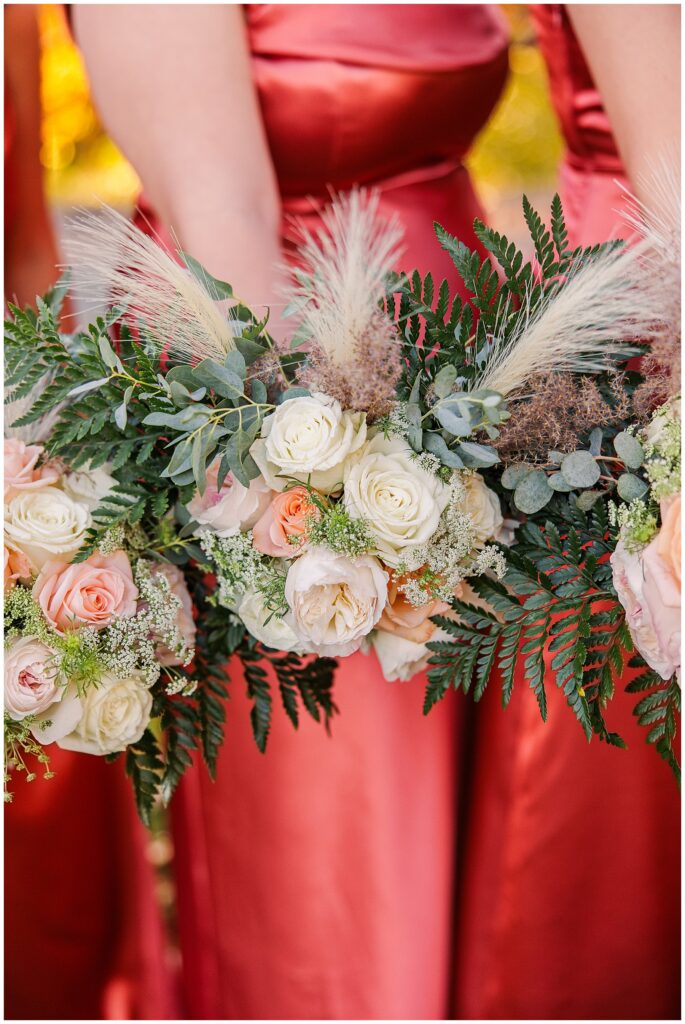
348,511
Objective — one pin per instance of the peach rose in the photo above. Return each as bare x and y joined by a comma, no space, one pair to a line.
411,622
234,508
282,530
21,470
184,617
668,539
90,593
17,567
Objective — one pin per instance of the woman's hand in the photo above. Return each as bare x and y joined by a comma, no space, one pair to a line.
174,86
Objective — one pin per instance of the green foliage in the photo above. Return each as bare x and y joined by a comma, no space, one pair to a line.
557,610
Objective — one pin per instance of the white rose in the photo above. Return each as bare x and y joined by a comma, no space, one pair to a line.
46,524
88,486
335,601
115,713
483,507
400,658
401,502
277,633
233,509
309,439
33,687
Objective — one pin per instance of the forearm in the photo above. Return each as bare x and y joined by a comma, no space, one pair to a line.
183,109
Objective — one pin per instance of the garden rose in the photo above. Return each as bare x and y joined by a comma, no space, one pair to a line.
89,486
233,509
21,470
652,620
115,713
399,658
184,618
483,508
45,525
17,567
91,593
401,502
31,678
403,619
668,538
282,530
277,633
309,439
335,601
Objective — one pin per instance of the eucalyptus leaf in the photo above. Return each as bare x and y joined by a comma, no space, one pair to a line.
456,425
478,455
293,393
250,349
558,482
514,474
595,441
580,469
108,355
91,385
631,487
436,445
414,431
629,450
258,388
533,493
220,379
415,389
121,416
444,381
235,361
587,499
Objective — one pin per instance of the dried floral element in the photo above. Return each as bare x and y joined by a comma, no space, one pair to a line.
662,378
557,411
368,381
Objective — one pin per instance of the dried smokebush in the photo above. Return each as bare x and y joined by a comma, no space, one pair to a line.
368,381
661,369
560,411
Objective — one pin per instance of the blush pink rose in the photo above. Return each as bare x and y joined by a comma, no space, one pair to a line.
661,588
651,601
233,509
17,567
282,530
91,593
403,619
21,470
184,619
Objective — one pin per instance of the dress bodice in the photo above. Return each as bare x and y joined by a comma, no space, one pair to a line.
354,94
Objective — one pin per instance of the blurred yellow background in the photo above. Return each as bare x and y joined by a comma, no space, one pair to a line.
518,150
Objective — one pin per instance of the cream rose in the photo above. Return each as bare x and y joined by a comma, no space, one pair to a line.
483,508
398,657
21,470
46,524
91,593
277,632
233,509
185,623
657,641
89,486
401,502
309,439
115,713
335,601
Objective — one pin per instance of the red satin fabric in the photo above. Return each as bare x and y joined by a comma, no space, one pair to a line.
319,880
83,937
570,892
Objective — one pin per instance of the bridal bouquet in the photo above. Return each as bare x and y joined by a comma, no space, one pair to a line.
205,492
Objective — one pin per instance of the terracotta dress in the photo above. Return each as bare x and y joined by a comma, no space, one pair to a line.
569,893
83,938
318,881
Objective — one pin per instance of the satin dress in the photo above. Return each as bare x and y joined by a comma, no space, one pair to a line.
83,938
318,880
570,889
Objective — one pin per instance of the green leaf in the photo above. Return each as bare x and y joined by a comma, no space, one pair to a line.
533,492
580,469
215,288
629,449
631,487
